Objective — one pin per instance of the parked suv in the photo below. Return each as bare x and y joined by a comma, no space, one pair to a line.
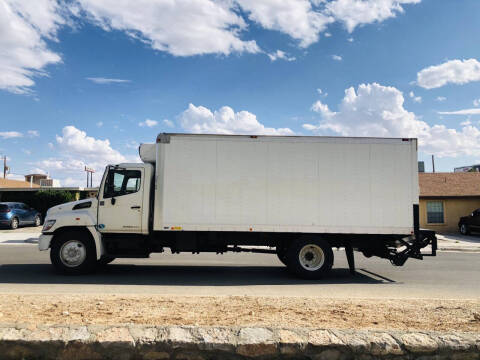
14,214
470,222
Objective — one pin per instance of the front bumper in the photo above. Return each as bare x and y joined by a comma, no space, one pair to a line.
44,242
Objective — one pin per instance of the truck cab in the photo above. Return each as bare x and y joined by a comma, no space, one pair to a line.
75,231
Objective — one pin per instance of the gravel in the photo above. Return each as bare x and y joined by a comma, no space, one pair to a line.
406,315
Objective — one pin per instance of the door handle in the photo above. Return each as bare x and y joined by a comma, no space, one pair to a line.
135,207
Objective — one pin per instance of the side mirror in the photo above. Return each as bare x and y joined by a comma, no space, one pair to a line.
113,201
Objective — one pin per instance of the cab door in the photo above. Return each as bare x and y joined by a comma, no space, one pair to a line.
120,202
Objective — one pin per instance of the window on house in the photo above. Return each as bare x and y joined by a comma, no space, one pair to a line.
435,213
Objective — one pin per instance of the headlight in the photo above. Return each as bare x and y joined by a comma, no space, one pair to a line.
48,225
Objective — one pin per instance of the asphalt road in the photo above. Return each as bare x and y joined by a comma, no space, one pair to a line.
23,269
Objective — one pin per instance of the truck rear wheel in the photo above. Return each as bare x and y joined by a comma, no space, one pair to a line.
310,258
73,253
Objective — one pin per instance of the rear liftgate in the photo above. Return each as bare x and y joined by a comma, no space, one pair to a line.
412,247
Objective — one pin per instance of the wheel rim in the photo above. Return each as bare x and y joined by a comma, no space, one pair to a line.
463,229
37,221
311,257
73,253
14,223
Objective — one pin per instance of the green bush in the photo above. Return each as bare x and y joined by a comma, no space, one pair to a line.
39,200
45,199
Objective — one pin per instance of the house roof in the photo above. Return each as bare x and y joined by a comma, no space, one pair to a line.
41,175
449,184
7,183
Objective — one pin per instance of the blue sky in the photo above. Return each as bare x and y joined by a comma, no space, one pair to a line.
84,82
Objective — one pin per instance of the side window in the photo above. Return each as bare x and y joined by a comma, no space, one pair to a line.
435,214
122,182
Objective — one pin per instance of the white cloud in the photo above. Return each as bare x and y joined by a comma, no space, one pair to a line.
181,28
78,143
199,119
337,57
293,17
50,145
461,112
99,124
321,92
24,28
148,123
26,151
350,39
102,80
376,110
279,54
441,98
75,150
453,71
327,34
476,102
33,133
354,13
10,134
16,177
168,123
132,144
322,109
417,99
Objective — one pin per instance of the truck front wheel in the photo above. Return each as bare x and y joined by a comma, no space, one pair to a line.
73,253
310,258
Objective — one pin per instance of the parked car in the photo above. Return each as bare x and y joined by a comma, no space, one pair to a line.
470,223
15,214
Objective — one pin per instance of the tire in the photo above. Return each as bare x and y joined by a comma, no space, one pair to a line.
464,230
310,258
38,221
282,254
14,223
105,260
73,253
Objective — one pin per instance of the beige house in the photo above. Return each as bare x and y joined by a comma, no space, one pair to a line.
445,197
8,183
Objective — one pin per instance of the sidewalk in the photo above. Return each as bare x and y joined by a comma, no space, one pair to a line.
21,236
458,242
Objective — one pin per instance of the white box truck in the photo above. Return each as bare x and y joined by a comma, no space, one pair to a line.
294,196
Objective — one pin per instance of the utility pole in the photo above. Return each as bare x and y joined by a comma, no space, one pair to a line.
5,167
433,163
89,172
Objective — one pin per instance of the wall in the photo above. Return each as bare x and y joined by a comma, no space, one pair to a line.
63,342
454,208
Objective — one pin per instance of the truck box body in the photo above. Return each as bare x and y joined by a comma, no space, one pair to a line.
284,184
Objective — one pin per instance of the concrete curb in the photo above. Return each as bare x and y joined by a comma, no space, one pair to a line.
199,343
452,249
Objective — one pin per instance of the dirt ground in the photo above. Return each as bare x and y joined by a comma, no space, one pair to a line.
439,315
